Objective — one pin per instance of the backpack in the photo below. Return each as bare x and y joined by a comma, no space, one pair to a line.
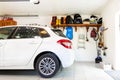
99,21
93,33
69,19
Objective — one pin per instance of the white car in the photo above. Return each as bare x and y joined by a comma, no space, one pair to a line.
34,47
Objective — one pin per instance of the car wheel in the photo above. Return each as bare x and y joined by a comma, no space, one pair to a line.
47,65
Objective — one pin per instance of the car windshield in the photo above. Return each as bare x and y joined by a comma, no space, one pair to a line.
58,32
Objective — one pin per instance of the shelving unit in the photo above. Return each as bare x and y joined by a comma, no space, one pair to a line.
78,25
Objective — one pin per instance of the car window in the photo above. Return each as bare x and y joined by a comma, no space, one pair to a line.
58,32
6,32
43,33
26,32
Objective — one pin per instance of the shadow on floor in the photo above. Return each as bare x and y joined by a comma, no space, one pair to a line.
18,72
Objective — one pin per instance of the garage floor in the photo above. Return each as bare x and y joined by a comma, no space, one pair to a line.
79,71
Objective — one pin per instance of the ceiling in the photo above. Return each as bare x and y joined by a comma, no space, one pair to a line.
53,7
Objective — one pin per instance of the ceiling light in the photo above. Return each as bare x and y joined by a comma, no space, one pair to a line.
35,1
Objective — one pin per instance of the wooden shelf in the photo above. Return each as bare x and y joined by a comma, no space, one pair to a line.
78,25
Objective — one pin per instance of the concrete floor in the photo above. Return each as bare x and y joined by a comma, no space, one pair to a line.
78,71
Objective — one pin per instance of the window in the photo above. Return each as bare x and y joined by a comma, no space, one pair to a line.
58,32
26,32
6,32
43,33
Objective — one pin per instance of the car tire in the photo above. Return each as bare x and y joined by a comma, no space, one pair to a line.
47,65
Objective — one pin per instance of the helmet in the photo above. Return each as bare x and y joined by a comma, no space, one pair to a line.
93,19
77,19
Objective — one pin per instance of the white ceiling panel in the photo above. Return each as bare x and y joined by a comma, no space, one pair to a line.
54,7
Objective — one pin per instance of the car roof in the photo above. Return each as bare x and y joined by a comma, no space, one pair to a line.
39,26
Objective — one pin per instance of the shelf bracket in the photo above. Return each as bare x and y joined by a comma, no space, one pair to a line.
87,28
75,28
63,28
98,29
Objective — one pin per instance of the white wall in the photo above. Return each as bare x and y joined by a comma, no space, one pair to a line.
43,20
88,54
111,35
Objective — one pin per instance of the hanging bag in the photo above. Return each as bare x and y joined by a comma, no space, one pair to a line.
93,33
69,32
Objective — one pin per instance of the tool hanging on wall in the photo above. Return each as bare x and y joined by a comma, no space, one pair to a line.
98,59
81,38
97,36
101,36
101,43
104,51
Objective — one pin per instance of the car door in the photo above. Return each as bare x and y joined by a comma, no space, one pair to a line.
5,33
19,50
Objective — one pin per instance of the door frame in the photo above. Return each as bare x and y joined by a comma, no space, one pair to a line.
117,41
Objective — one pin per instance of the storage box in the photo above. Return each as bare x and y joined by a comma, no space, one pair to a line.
107,66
